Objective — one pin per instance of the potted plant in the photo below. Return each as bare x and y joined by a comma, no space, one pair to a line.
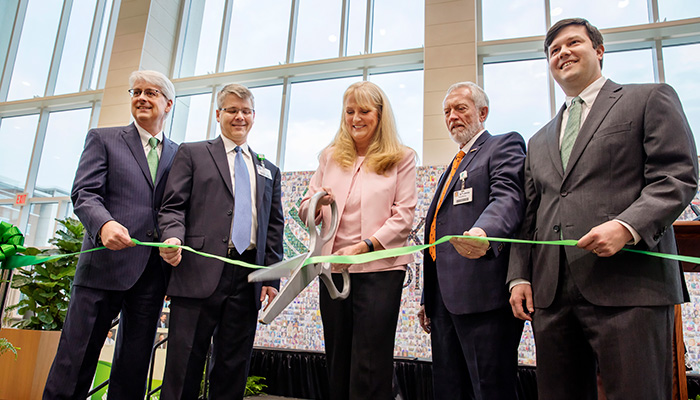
43,305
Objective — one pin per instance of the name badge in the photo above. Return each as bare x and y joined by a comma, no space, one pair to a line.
264,172
462,196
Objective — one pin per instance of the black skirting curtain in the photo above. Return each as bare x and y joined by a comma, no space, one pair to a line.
302,375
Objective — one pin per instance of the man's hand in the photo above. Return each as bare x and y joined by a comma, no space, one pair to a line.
423,319
269,292
171,255
605,239
115,236
522,294
471,248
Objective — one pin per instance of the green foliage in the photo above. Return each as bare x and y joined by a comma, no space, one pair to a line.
254,386
46,287
6,346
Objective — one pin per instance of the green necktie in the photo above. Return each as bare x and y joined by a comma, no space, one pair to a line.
571,131
152,157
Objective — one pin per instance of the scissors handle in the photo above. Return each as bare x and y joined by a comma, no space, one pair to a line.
316,239
330,285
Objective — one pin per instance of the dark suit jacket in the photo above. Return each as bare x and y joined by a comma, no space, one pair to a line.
198,210
495,173
113,182
634,160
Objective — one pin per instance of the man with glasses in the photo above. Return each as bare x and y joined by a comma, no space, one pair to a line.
221,198
117,192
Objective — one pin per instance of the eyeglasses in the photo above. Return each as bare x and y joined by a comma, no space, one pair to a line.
233,111
150,93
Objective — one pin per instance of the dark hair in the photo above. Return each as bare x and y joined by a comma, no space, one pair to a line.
593,33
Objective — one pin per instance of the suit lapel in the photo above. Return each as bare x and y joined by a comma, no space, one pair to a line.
218,153
133,141
609,94
259,181
166,157
471,153
552,141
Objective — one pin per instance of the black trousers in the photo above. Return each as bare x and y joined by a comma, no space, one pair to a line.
475,356
631,347
89,318
229,315
359,335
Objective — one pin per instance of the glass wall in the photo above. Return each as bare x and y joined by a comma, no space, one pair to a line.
51,53
641,46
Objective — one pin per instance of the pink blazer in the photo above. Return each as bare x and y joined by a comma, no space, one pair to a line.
388,201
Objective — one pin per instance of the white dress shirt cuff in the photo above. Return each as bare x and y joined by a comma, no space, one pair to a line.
515,282
636,237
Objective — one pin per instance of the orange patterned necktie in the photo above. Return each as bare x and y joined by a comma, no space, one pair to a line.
455,165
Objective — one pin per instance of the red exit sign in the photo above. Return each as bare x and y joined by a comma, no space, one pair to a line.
20,199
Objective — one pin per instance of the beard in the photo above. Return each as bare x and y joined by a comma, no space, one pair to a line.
461,135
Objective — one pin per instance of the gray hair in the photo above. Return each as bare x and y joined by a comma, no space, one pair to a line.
478,95
239,91
154,78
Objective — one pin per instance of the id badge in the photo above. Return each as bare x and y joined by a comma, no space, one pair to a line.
462,196
264,172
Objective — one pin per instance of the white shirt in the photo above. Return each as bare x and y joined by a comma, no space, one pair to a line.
145,136
231,155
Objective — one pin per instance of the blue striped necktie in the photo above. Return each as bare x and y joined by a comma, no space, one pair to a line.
242,207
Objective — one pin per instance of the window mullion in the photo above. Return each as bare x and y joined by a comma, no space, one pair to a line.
94,41
293,21
12,50
58,48
223,41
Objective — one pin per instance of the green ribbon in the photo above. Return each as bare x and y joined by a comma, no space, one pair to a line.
11,242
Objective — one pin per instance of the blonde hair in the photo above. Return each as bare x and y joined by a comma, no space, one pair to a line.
385,150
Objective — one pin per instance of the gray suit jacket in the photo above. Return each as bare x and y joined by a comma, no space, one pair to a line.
634,160
198,210
113,182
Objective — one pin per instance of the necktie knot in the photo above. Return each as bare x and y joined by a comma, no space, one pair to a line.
237,149
153,142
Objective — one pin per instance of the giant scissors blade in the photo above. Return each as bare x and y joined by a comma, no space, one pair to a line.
282,269
302,275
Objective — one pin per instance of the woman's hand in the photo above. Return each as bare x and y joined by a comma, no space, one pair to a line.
325,200
357,248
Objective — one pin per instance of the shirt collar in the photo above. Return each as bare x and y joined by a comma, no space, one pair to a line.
471,142
144,135
230,145
588,94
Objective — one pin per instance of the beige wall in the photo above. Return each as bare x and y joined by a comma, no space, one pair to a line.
145,38
450,56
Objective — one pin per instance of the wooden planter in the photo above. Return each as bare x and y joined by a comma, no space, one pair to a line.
25,377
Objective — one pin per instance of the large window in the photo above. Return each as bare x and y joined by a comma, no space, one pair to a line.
516,77
51,55
298,67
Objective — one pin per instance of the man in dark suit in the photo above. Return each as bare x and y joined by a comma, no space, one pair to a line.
116,194
474,335
613,169
222,198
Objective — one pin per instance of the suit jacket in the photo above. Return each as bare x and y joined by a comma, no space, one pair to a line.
198,210
113,182
634,160
494,166
388,204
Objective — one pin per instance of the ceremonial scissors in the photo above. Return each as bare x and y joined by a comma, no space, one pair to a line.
302,275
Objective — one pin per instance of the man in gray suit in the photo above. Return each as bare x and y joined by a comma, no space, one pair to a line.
221,198
613,169
116,194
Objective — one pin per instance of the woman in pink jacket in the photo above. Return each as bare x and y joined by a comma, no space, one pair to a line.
372,178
